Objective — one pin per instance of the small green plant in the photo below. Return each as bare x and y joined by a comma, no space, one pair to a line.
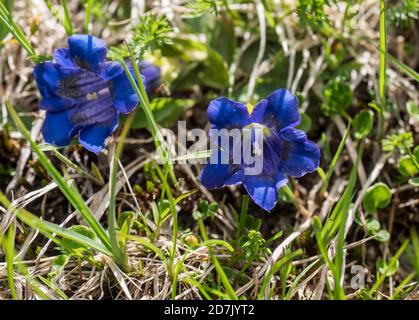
337,97
377,197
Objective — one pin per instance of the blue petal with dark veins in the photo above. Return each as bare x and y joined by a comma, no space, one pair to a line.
151,75
49,76
298,155
63,57
88,52
278,110
93,138
124,97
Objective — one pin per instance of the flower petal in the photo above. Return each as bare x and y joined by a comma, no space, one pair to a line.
219,175
278,110
111,69
151,75
264,190
93,138
124,97
58,129
228,114
48,77
63,57
97,110
88,52
56,104
298,155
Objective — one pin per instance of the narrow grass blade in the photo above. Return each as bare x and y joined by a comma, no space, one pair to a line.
72,196
9,251
335,159
389,266
48,228
7,21
67,20
285,259
404,68
89,7
223,277
382,81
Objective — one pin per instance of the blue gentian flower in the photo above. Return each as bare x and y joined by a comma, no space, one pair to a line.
151,75
286,151
83,94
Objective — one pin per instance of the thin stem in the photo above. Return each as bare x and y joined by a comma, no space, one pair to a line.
89,7
67,20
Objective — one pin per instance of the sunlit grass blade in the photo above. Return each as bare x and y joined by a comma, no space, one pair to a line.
89,7
335,159
322,245
223,277
120,256
146,243
404,68
7,21
71,164
9,251
293,288
415,244
275,268
67,20
50,284
400,288
139,89
71,195
389,267
48,228
382,81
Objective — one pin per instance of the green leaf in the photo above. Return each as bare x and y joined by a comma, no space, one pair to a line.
363,122
166,112
186,50
378,196
306,122
211,73
413,109
58,265
416,152
125,222
197,215
414,181
73,246
124,218
222,38
388,269
373,226
337,97
285,196
204,65
382,235
407,167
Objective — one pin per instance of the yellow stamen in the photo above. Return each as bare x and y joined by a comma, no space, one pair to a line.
249,107
91,96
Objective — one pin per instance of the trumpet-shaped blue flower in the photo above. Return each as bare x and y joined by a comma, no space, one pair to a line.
286,151
151,75
83,94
